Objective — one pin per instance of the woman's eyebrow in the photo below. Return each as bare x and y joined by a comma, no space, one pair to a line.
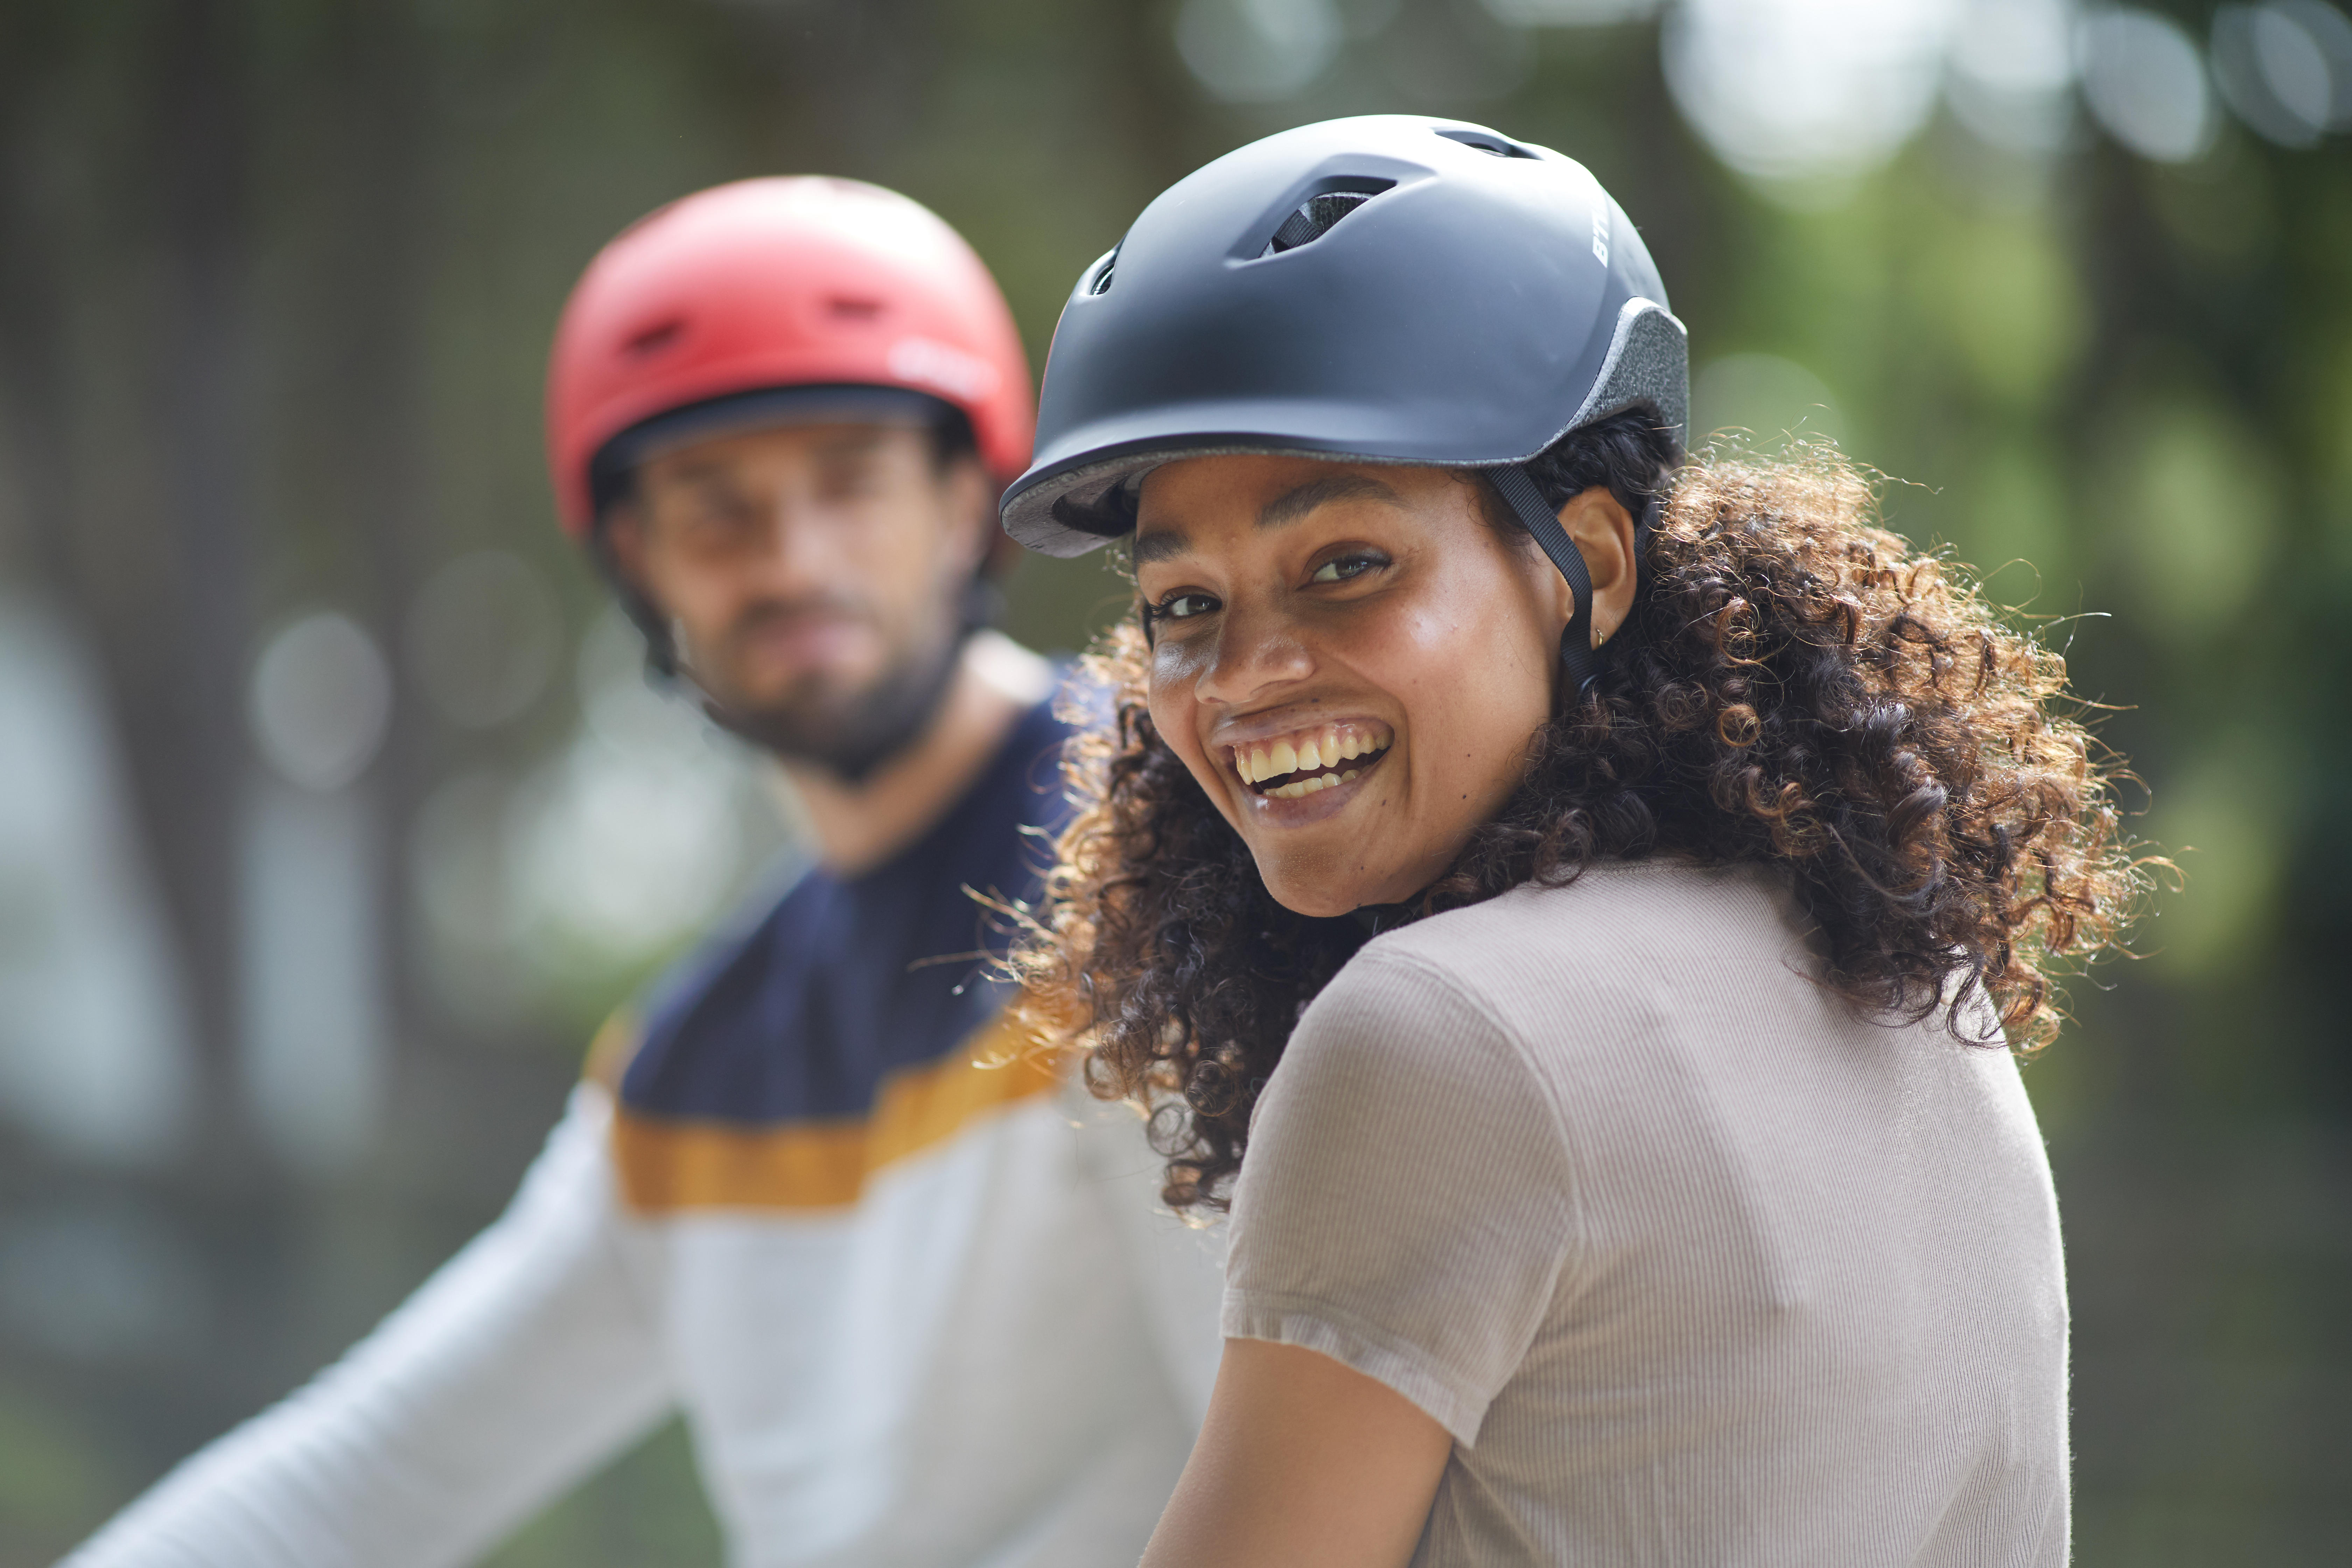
1292,505
1159,546
1287,507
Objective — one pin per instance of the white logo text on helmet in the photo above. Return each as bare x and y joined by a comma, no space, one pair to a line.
926,362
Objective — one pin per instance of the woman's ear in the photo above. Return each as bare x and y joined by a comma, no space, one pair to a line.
1602,531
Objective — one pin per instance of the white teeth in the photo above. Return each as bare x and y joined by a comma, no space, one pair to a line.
1297,788
1312,755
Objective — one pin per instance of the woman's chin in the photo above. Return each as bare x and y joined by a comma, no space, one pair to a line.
1316,907
1315,892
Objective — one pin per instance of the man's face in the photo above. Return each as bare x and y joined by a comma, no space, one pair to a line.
811,574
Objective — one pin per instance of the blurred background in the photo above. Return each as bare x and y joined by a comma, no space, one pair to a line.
334,812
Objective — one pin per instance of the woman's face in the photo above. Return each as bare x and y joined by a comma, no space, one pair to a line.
1350,661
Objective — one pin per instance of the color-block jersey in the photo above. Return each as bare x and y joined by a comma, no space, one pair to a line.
880,985
911,1289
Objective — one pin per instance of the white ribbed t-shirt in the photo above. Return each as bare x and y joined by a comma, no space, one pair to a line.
1696,1264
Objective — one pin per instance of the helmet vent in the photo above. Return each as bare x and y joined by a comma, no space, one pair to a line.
1488,142
1316,217
848,309
1100,282
648,340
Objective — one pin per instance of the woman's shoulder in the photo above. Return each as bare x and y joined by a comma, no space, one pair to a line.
1612,917
1404,1038
1474,970
1400,1010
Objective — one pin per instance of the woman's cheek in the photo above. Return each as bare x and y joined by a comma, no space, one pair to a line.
1174,670
1176,660
1175,667
1456,678
1415,659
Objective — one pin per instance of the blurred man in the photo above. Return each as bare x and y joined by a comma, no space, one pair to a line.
891,1286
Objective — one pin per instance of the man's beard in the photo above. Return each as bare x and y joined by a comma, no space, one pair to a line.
851,736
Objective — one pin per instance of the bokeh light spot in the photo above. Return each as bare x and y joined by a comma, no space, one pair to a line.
2193,503
2145,84
482,638
2223,816
1763,402
1257,51
2012,303
319,700
2285,68
2012,73
1794,90
1572,13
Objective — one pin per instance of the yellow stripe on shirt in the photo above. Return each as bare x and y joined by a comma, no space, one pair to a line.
669,1163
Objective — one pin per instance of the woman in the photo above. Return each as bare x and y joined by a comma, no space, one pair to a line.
1574,907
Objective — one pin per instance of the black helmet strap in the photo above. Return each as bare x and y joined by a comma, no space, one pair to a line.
1518,488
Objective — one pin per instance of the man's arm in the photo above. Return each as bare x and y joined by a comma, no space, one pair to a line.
1303,1462
526,1359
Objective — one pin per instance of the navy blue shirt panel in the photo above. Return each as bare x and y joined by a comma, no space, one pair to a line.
803,1016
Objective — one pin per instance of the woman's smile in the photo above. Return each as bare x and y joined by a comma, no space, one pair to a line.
1301,776
1301,762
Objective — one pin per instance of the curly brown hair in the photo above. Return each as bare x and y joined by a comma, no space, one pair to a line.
1795,684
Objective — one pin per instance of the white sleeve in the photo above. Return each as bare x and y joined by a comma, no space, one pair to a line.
527,1359
1179,1269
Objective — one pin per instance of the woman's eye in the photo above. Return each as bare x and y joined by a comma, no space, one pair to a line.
1182,606
1344,567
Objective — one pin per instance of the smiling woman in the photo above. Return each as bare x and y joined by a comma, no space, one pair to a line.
1793,686
1568,903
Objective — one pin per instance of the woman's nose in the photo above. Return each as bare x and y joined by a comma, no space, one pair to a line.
1256,650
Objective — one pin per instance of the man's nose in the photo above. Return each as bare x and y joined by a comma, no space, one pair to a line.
793,550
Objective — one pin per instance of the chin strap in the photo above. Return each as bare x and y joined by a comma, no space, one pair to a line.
1517,489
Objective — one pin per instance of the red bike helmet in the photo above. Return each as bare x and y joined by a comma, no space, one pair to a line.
775,285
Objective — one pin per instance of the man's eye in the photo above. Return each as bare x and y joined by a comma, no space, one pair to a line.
1182,606
720,520
863,479
1341,568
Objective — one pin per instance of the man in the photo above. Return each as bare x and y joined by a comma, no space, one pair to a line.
811,1193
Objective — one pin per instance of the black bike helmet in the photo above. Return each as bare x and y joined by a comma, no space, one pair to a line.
1384,288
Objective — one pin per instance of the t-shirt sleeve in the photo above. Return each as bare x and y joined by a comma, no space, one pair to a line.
1404,1204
